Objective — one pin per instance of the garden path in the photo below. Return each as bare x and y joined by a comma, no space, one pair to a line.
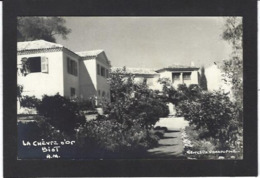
170,146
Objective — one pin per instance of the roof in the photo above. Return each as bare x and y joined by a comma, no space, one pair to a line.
178,68
141,71
36,45
92,53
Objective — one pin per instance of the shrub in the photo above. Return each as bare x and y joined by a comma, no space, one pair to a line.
170,94
109,135
214,114
84,104
61,113
29,101
130,115
38,129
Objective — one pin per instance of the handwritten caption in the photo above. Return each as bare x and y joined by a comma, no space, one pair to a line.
51,148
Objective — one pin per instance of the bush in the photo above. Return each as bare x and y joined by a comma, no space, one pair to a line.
213,113
109,135
133,111
170,94
86,104
61,113
29,101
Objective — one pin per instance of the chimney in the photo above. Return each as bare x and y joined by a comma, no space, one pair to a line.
192,64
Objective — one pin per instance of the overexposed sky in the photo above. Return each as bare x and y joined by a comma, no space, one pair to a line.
152,42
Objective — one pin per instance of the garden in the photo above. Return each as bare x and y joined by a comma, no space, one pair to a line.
125,130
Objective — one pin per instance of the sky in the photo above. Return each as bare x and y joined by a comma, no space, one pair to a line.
150,42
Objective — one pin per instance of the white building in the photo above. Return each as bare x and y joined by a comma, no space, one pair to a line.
215,79
175,74
53,69
178,74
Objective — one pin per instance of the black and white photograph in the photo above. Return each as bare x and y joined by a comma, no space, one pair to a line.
97,88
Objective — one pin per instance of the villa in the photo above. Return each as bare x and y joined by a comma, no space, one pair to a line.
52,68
176,75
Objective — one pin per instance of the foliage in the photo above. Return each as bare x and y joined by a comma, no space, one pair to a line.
214,114
203,80
170,94
19,91
233,31
233,67
61,113
133,102
29,101
84,104
128,118
46,28
112,136
38,129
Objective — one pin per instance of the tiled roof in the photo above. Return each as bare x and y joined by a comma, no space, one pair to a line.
92,53
36,45
144,71
178,68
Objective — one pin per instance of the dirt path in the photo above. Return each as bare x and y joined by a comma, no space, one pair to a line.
170,146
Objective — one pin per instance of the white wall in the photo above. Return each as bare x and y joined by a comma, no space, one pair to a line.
39,83
102,83
214,79
70,81
87,78
193,80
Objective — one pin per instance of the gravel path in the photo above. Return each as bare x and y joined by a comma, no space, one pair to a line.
170,146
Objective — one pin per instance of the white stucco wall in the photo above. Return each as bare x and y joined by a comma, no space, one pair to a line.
88,78
102,83
39,83
193,80
70,81
214,79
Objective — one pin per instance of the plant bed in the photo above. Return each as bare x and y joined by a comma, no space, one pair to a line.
196,148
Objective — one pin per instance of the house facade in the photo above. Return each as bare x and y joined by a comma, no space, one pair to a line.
175,74
52,69
180,75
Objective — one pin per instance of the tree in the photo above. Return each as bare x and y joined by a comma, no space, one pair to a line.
203,80
233,67
46,28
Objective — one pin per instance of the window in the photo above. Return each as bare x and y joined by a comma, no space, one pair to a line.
103,94
72,67
103,72
145,81
36,64
175,76
106,73
72,92
98,92
186,76
98,69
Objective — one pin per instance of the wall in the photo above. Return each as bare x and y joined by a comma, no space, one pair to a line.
214,79
102,83
152,81
69,79
193,80
39,83
87,78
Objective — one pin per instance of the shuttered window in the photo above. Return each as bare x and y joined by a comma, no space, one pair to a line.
98,69
72,67
35,64
44,64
